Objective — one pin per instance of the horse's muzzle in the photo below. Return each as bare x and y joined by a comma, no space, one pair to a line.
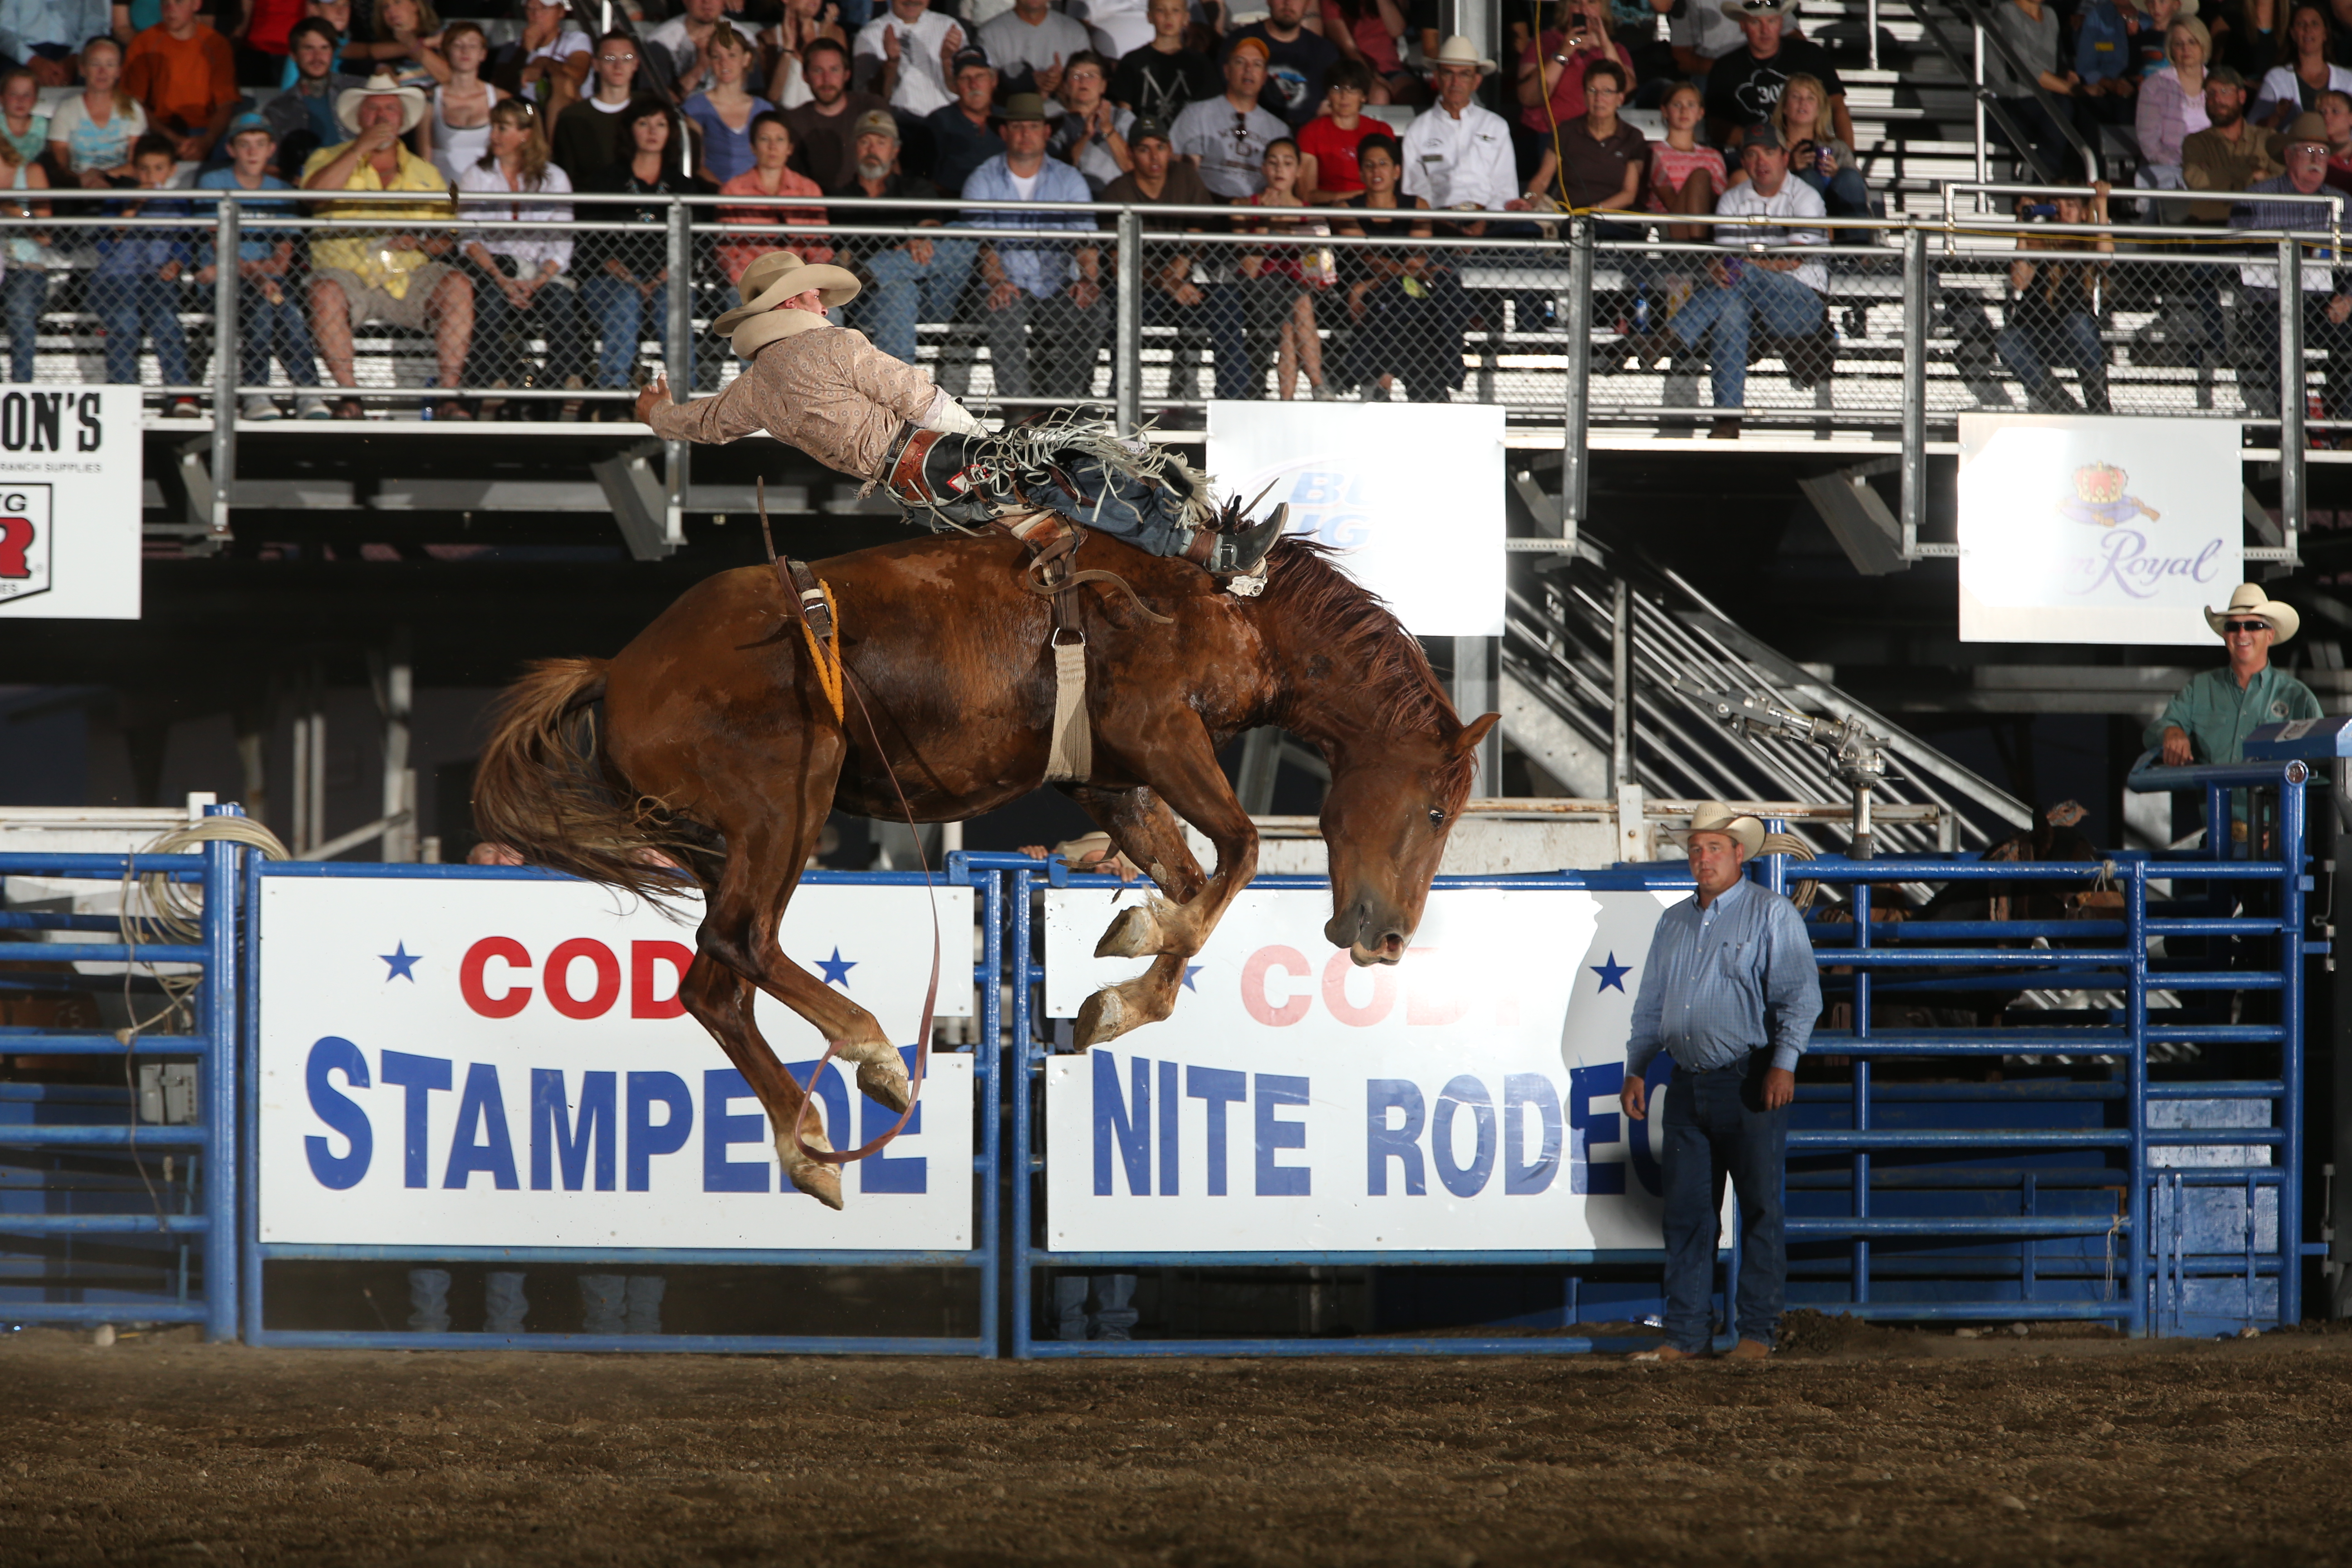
1370,938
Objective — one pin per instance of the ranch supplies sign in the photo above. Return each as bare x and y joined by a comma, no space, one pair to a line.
2096,530
504,1062
1463,1100
69,467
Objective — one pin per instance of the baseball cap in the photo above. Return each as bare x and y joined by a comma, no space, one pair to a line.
970,54
1257,45
1144,128
1767,136
244,122
875,123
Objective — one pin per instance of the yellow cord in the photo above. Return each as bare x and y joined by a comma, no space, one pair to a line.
827,654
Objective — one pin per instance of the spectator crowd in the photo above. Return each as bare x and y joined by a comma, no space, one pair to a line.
1319,119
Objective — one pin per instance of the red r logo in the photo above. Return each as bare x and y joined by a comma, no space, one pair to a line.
16,539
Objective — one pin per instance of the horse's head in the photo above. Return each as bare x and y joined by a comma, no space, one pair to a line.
1385,821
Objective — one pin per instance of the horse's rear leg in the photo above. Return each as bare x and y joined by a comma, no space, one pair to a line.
721,1000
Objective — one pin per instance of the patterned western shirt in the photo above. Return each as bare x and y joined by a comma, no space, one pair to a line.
1724,981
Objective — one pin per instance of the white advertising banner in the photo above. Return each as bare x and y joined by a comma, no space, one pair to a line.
69,471
503,1062
2082,529
1410,493
1463,1100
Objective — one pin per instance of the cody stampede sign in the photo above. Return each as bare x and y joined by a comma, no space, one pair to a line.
69,465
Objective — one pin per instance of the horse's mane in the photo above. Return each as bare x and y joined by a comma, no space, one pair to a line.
1322,607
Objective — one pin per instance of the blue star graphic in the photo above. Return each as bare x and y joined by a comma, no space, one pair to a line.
1190,971
1613,974
401,962
836,968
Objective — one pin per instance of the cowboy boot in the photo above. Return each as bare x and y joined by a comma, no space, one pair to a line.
1241,554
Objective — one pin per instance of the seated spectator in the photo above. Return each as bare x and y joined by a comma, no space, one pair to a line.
134,290
1551,76
521,284
2306,68
1366,33
555,55
1117,26
908,280
2053,312
1327,148
1743,86
45,36
406,43
1159,78
1282,280
2231,153
588,137
2305,206
1815,155
2103,61
624,278
1700,35
963,132
1782,295
770,175
1603,162
337,15
1226,137
2030,30
1458,155
804,25
2336,113
1046,310
905,55
303,116
182,73
1685,175
682,65
1408,304
1298,59
267,320
724,109
24,279
1091,135
2170,107
2150,46
825,127
257,41
1031,45
1177,287
395,277
23,129
458,133
91,133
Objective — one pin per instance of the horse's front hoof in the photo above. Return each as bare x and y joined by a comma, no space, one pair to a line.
820,1182
1102,1017
884,1081
1134,932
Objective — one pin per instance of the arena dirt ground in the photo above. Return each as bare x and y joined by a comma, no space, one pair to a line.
1857,1447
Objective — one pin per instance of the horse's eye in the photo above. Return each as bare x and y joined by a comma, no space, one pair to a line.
1437,817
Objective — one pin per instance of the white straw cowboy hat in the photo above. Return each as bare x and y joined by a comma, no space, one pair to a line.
1735,9
779,276
1458,50
1714,817
2248,602
381,85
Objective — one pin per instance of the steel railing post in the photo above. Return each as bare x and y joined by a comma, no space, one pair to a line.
2291,432
218,1020
2132,1221
2291,826
1977,102
1914,499
1575,404
225,362
678,355
1127,344
1022,1078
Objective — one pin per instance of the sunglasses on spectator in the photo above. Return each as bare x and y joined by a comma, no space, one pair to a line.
2245,626
614,59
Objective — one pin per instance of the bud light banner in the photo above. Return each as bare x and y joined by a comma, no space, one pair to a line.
1463,1100
2082,530
503,1061
1426,536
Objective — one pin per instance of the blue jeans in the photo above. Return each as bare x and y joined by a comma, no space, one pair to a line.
131,308
904,293
1846,194
265,329
1113,1318
24,295
2032,345
1223,313
625,320
1717,1126
1775,302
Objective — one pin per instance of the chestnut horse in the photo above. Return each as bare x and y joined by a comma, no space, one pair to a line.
718,751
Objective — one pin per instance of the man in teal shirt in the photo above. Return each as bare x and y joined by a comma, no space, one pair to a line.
2208,718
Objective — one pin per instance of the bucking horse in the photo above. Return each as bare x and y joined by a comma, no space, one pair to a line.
719,751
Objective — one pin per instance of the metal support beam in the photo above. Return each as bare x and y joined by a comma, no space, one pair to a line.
1474,659
1127,342
224,372
1624,783
1857,519
2291,394
2336,831
678,353
651,518
1576,396
1261,762
395,700
1914,499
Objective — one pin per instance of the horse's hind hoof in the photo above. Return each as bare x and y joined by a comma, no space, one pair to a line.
1134,932
884,1083
820,1182
1102,1017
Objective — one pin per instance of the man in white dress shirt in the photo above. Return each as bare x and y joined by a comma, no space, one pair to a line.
1458,155
903,54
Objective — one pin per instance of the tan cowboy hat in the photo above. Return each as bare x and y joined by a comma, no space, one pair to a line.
779,276
2249,601
381,85
1714,817
1458,50
1735,9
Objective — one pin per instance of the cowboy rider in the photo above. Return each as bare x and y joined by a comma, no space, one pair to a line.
830,392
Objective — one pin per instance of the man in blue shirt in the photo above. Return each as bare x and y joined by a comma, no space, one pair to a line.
1730,991
1053,287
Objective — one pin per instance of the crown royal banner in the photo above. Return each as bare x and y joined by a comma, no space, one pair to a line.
2088,529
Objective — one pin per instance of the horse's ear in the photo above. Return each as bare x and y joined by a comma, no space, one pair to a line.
1470,734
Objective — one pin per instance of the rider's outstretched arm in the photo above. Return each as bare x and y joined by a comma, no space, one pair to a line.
728,416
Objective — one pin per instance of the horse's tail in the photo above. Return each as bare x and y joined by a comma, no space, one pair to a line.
545,789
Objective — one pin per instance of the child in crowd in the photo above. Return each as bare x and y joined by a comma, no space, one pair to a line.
1326,146
24,276
1286,277
269,321
135,288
